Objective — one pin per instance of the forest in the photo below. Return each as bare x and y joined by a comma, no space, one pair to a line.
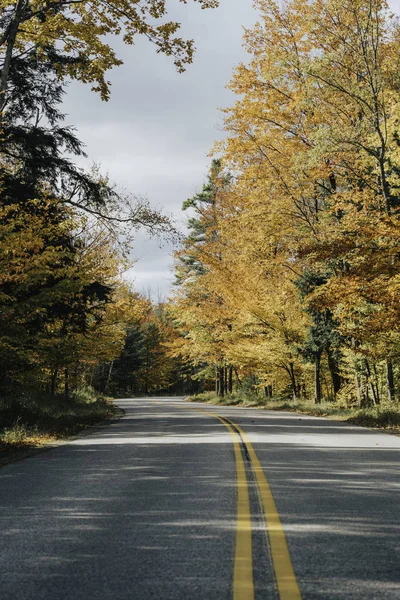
287,281
67,313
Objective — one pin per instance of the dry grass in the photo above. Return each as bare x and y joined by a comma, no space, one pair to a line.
386,416
34,423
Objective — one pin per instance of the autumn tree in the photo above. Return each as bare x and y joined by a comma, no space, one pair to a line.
44,294
313,137
199,308
64,307
37,151
309,228
79,28
51,295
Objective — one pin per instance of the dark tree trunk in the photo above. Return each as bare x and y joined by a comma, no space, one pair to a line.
230,380
293,380
54,382
334,371
268,391
366,395
391,390
378,395
360,398
66,384
317,379
221,385
92,376
237,376
9,41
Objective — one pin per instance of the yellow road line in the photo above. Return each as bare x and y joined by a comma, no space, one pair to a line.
285,577
243,586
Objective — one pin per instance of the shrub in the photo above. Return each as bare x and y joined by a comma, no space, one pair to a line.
378,416
16,434
85,395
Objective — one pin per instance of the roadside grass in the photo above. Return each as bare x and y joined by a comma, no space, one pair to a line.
385,416
31,422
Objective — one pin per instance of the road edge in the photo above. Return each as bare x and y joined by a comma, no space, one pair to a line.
17,455
389,431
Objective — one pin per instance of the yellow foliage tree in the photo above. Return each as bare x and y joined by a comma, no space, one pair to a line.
308,229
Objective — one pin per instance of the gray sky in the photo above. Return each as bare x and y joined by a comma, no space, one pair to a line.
155,133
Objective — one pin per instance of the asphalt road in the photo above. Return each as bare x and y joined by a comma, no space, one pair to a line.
171,503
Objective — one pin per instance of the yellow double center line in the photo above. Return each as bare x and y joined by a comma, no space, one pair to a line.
243,585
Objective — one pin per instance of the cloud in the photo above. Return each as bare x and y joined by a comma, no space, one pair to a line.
154,135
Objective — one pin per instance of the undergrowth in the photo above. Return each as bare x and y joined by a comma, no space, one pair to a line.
33,420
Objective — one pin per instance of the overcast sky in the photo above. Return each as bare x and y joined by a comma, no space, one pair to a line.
155,133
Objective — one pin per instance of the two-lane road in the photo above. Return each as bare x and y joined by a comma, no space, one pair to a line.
172,502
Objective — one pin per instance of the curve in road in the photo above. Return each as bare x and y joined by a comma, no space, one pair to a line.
162,504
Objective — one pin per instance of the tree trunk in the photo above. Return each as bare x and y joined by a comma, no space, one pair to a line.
391,390
237,376
366,396
10,39
230,379
268,391
216,381
221,382
54,382
317,380
375,395
66,384
106,388
334,371
92,376
360,399
293,380
378,394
